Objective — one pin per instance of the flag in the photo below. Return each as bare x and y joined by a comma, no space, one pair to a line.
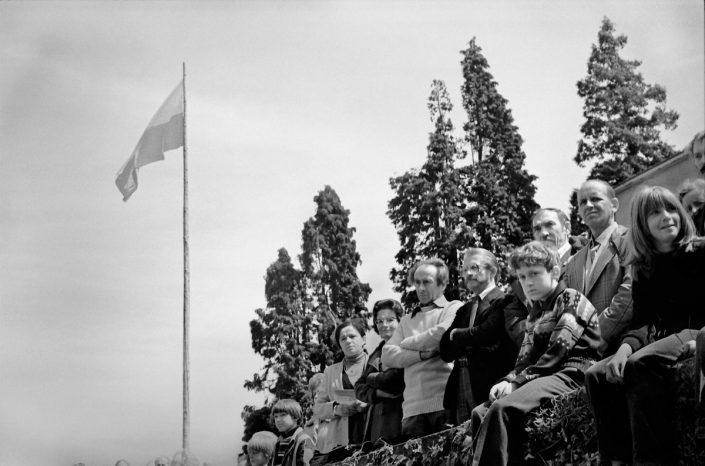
165,132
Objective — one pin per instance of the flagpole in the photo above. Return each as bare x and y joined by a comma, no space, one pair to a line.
187,286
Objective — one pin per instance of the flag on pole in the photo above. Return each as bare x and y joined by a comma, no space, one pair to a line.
165,132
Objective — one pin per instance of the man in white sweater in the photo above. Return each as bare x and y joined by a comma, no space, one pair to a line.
415,348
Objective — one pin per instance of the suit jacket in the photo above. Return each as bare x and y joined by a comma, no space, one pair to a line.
487,347
608,288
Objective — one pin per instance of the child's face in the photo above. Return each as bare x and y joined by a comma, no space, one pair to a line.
284,422
536,281
258,459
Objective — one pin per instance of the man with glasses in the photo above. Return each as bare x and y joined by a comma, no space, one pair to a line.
476,341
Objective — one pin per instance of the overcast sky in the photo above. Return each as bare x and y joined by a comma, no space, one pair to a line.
283,98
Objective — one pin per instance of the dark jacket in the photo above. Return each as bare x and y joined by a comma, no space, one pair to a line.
669,299
487,347
384,414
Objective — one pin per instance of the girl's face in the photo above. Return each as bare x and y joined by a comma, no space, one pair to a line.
350,341
664,225
693,201
386,322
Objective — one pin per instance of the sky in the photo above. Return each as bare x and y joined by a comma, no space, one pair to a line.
283,98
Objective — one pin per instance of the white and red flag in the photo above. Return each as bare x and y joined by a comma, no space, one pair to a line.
165,132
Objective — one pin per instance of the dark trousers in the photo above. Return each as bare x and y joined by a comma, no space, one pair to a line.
635,419
498,427
423,424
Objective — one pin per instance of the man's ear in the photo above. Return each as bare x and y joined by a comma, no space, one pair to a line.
615,204
556,272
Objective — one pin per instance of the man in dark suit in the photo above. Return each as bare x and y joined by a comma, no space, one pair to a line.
551,226
476,339
598,270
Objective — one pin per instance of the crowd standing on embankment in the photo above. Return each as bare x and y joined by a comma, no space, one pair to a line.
614,309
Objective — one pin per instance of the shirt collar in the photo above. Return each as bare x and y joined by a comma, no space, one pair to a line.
549,301
563,249
487,290
605,235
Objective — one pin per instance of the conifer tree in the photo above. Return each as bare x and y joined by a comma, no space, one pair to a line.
500,188
329,260
429,202
283,332
623,114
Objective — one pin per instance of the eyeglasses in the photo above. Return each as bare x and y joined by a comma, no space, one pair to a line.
385,321
474,268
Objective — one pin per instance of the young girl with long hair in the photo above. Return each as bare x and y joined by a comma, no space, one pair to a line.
630,391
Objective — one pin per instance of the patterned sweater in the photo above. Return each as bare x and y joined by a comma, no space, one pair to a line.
561,331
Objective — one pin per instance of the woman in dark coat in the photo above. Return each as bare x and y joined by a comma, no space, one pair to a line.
380,387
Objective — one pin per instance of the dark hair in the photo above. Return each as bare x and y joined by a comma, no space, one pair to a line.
354,323
562,217
646,201
391,304
441,267
534,253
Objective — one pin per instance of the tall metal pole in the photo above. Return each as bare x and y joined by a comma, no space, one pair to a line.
187,285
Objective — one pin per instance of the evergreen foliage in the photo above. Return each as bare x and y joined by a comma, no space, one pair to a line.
444,207
292,334
624,115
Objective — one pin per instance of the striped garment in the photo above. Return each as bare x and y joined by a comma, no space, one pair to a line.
561,331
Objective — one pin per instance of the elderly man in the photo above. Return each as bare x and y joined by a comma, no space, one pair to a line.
598,270
476,340
551,226
415,348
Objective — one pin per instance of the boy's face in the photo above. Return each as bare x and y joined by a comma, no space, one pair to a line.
284,422
698,155
258,459
537,281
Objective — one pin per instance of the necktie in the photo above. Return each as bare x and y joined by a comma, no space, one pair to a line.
592,252
473,310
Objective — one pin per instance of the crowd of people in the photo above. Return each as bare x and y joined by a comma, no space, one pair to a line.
612,310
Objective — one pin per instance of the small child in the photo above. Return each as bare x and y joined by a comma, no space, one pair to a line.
260,448
311,427
294,447
560,344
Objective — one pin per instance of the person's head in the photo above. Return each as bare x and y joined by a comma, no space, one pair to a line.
537,267
350,336
260,448
386,314
551,226
162,461
480,268
659,223
314,382
597,204
696,151
122,463
184,458
692,195
287,414
429,278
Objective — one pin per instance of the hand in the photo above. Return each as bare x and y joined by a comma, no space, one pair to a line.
382,394
346,409
615,366
501,389
424,355
688,349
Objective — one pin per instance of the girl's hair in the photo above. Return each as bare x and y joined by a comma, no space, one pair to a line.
262,442
354,323
534,253
391,304
647,200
